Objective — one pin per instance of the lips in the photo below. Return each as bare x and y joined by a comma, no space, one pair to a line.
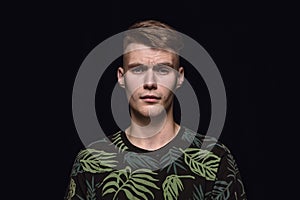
150,98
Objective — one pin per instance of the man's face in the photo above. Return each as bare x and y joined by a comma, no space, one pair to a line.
150,77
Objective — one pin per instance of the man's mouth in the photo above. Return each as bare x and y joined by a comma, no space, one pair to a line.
150,98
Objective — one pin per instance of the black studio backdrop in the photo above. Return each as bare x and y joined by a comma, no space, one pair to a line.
59,43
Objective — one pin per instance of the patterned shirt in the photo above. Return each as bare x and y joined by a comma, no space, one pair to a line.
190,167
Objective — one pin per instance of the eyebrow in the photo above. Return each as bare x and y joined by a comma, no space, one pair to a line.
132,65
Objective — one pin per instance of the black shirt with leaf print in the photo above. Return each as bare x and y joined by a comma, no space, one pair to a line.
191,166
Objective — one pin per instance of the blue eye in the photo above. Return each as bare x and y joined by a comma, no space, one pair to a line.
137,70
163,70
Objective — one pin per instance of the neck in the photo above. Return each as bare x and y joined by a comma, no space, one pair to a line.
152,133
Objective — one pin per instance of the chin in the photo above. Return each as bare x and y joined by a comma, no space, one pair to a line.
155,110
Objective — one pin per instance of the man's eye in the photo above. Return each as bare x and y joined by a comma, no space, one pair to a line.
137,70
163,70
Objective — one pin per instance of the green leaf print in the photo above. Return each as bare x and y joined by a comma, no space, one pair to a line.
79,197
191,137
72,189
232,167
172,185
220,191
134,184
172,160
96,161
242,186
77,168
210,142
202,162
91,190
136,160
118,142
198,193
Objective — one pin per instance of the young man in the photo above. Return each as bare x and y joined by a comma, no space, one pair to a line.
154,158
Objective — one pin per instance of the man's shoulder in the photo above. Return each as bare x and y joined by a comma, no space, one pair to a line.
109,143
204,142
107,139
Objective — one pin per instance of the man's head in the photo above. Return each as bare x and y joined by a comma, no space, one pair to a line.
151,70
153,34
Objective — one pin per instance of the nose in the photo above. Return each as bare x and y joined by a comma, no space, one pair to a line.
150,80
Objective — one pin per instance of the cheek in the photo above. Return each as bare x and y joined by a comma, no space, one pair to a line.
169,96
132,91
168,83
132,84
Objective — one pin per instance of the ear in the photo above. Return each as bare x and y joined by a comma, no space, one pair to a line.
120,75
180,77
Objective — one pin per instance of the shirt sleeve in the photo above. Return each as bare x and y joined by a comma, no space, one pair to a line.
76,189
228,183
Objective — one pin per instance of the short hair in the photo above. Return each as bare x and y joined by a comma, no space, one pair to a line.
154,34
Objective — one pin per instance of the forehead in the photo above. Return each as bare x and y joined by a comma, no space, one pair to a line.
138,53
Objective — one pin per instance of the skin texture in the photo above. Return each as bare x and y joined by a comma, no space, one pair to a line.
150,78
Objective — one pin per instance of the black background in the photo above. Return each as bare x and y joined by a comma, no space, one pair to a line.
47,44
